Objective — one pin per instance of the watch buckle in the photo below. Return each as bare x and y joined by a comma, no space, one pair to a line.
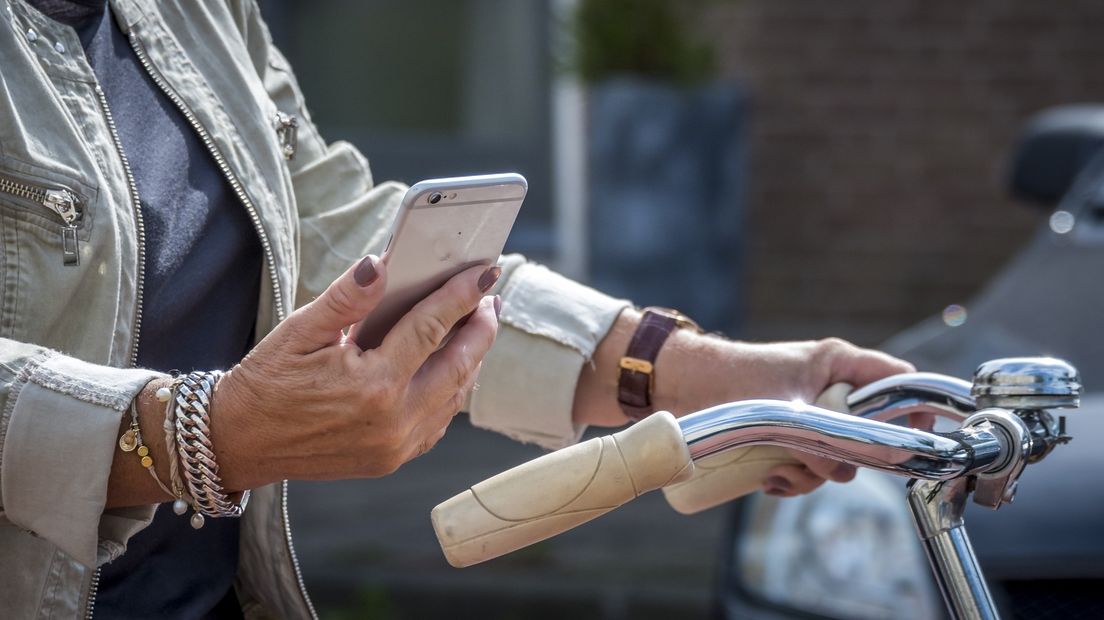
636,364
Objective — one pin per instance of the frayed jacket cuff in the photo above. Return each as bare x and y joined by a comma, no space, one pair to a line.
60,438
550,326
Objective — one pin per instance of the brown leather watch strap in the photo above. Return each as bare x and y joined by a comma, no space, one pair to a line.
634,388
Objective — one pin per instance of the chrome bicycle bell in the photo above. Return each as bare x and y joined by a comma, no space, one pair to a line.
1027,383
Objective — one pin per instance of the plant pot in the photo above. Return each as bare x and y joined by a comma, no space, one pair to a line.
666,174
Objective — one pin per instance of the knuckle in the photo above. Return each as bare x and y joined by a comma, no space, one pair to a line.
431,442
351,366
431,330
339,300
426,446
834,345
456,403
382,396
827,350
462,371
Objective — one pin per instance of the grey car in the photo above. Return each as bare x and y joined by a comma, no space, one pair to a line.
851,551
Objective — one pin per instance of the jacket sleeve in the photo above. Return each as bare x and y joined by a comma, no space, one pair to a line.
550,325
59,423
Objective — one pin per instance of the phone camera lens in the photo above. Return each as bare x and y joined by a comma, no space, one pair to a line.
434,198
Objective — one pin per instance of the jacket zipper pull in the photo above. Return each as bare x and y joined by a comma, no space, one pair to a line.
64,203
287,131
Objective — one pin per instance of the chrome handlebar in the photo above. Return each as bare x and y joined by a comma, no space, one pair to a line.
1004,417
859,441
917,392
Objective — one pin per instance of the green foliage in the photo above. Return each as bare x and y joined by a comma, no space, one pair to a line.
645,38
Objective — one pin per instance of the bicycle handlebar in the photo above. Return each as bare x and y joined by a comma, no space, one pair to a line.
856,440
737,472
563,489
899,395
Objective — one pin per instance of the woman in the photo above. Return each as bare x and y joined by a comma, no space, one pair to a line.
166,204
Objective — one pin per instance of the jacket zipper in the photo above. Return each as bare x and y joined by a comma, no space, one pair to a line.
62,202
266,245
93,587
139,225
235,184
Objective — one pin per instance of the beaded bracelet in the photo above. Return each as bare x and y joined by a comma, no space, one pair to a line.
183,499
131,440
192,408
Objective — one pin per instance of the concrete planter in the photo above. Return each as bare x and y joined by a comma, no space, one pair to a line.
666,177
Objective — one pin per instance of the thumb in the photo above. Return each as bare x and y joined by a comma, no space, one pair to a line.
347,300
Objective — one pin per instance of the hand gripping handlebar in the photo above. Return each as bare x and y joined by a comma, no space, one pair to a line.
734,473
563,489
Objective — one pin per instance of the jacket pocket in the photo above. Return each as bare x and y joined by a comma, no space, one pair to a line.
46,218
60,206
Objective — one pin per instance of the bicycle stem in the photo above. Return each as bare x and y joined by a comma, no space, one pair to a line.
936,508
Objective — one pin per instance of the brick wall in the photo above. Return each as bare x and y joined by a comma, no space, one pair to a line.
879,137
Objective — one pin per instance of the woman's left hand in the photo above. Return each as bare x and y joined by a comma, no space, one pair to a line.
787,371
694,371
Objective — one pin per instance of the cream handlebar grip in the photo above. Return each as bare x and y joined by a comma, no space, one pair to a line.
560,490
734,473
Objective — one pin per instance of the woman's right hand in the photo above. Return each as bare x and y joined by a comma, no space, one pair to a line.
308,403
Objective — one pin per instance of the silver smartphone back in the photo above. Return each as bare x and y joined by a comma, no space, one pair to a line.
443,227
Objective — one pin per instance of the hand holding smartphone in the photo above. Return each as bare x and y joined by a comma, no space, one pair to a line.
443,227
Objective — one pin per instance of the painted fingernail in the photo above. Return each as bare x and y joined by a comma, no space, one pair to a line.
843,471
498,306
774,491
776,483
489,277
365,272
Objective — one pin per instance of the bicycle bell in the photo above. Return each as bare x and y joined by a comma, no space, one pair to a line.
1027,383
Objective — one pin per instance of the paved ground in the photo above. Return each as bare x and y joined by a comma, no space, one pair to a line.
368,550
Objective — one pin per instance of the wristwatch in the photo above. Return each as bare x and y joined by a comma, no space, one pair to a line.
637,366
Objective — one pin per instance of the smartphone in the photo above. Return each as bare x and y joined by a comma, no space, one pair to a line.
443,227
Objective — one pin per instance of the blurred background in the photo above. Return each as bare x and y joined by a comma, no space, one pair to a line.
778,169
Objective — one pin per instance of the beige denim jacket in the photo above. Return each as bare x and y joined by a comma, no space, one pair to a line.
69,332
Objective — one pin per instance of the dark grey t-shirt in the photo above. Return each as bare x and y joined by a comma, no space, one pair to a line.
201,286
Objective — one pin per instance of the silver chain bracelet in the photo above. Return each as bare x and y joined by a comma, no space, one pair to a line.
197,457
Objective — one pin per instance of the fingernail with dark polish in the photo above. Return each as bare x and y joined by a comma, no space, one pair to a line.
489,277
498,306
774,491
843,471
365,272
776,483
